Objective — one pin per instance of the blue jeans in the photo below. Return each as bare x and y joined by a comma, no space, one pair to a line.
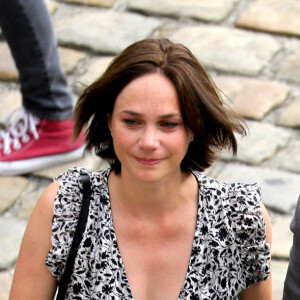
27,27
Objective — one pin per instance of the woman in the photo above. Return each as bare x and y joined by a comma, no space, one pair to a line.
157,228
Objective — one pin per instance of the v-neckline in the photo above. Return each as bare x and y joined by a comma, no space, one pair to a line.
116,245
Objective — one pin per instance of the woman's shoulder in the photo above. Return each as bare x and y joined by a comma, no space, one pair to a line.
234,212
73,174
71,179
236,190
240,203
66,209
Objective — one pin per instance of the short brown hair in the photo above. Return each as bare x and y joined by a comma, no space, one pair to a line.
204,113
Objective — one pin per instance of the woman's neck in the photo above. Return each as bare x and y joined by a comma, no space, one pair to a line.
152,200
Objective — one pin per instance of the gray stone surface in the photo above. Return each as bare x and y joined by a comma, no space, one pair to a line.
272,15
89,162
30,196
262,142
69,59
252,98
8,70
104,3
289,158
279,269
105,31
95,70
5,283
227,49
214,11
10,189
52,6
9,100
11,234
290,68
290,116
279,189
282,239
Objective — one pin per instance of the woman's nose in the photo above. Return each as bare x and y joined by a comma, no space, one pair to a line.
149,139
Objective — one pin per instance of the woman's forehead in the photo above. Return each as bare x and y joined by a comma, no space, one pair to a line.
148,91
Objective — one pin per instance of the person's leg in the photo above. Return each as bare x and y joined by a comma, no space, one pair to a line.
39,134
27,28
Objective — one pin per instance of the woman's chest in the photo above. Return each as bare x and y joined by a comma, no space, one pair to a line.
156,263
137,265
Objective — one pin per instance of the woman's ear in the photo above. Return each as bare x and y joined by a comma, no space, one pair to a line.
192,135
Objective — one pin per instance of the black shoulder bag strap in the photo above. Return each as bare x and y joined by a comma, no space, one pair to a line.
84,211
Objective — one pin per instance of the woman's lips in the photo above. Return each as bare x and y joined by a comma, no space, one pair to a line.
148,161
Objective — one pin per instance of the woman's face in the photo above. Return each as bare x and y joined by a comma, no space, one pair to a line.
149,136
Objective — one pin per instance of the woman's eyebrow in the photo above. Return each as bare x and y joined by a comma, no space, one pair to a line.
172,115
165,116
132,113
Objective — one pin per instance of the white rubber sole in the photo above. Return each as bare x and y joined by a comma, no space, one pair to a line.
33,164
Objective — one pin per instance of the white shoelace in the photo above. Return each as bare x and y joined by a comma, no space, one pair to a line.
17,124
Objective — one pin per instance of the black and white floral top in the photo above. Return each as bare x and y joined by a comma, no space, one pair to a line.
229,250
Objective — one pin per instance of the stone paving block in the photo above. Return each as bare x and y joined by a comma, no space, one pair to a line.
290,116
214,169
8,70
272,15
95,70
279,269
214,11
5,283
105,31
11,234
252,98
289,158
290,68
282,237
262,142
9,100
92,163
11,188
30,196
69,59
52,6
227,49
280,189
37,187
103,3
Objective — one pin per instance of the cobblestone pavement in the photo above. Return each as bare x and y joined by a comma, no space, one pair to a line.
251,49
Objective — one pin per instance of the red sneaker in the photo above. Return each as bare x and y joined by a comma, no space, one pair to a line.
29,143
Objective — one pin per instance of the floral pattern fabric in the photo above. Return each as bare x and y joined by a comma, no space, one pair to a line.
229,251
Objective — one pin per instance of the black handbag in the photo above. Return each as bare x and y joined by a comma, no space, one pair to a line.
82,219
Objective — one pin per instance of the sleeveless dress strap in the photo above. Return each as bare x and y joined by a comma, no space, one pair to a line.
84,211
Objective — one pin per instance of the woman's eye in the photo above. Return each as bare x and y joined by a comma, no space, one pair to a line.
169,125
130,123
